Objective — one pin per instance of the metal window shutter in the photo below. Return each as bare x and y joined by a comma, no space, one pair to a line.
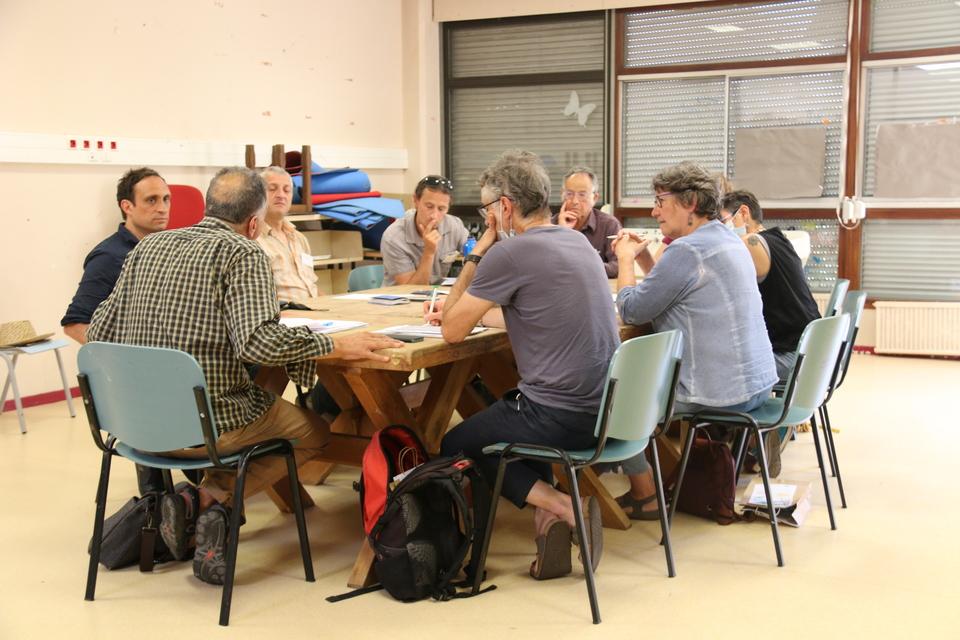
911,259
901,95
768,31
489,121
897,25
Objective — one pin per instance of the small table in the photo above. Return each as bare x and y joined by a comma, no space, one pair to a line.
10,355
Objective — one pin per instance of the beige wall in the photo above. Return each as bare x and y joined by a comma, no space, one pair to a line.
322,72
453,10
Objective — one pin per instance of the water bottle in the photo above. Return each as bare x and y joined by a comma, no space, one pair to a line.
469,245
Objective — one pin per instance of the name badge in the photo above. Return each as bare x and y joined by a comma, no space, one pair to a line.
307,260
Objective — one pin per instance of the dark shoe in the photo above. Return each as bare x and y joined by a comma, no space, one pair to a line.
594,530
634,508
210,558
178,520
553,551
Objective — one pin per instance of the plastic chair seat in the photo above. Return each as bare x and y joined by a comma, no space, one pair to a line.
158,461
613,451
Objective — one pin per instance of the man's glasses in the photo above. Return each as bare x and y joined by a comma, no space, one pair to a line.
579,195
658,199
437,181
482,209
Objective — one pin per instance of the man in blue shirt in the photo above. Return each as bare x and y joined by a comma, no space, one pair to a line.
144,201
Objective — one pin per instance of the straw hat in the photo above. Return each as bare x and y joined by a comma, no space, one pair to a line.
19,333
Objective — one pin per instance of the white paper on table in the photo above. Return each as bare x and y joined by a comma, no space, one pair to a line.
322,326
425,330
782,495
448,282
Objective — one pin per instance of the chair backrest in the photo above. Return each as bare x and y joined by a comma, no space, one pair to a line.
817,355
369,276
144,395
644,372
853,306
186,206
836,297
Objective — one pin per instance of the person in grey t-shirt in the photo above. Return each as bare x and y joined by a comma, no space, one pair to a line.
556,306
420,247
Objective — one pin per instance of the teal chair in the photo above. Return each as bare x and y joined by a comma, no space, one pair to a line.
637,398
369,276
837,294
853,305
154,400
817,359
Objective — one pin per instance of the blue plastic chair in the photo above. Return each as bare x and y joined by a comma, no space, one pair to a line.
369,276
638,397
817,360
151,400
853,305
837,295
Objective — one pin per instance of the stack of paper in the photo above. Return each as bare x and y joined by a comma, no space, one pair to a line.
425,330
322,326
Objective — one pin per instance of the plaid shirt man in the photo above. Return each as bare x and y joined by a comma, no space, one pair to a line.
209,291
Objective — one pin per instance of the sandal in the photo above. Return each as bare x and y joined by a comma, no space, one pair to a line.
634,507
594,530
553,551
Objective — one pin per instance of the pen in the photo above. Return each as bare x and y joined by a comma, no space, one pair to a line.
433,300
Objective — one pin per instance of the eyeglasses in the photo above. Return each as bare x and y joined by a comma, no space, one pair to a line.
658,199
437,181
579,195
482,209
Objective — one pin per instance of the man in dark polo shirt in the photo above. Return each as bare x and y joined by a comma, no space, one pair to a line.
580,193
555,303
144,201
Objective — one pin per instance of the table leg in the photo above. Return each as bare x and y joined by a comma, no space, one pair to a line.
362,573
280,494
613,516
446,384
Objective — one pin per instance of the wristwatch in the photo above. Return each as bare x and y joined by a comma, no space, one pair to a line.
474,258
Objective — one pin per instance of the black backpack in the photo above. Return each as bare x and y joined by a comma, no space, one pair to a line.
422,526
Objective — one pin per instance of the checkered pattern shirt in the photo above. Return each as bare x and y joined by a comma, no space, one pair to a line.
209,291
286,249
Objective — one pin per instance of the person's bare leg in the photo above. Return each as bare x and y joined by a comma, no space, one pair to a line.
642,486
548,499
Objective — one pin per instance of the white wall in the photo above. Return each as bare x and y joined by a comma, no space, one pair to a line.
318,72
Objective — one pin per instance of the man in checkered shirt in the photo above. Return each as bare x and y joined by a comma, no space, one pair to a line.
208,290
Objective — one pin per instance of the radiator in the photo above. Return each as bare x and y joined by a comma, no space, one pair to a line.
918,328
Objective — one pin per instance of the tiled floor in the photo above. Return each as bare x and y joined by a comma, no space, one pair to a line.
890,570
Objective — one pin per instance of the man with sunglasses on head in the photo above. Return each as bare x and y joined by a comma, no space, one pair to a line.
421,247
580,195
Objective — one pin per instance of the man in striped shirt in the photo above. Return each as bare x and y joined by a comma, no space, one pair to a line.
208,290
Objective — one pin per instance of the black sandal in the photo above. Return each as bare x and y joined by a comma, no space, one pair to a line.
634,508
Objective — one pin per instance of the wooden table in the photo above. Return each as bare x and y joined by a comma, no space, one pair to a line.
371,394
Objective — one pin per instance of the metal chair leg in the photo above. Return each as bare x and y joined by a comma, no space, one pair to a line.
488,533
741,450
662,511
233,536
687,447
765,474
66,387
12,382
584,547
298,512
823,423
833,450
98,518
823,475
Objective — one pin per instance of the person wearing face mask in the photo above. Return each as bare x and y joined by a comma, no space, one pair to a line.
580,194
705,286
788,304
421,247
554,299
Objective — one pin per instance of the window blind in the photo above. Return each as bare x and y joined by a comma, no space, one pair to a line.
898,25
906,94
488,121
527,47
762,31
911,259
822,265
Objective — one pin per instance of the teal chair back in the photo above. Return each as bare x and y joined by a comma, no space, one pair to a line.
836,297
368,276
818,353
145,396
643,372
853,305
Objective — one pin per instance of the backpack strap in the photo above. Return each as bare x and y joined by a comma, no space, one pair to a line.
148,533
356,592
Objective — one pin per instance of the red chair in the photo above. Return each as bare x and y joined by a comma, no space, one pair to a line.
186,206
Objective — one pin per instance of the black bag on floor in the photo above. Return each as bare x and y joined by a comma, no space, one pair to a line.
131,536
